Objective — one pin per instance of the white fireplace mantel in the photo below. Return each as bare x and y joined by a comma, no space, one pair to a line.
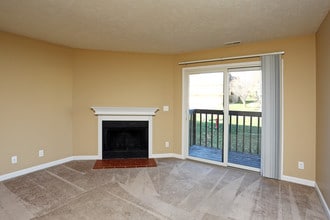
124,114
125,111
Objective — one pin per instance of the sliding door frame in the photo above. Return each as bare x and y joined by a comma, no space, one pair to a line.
185,106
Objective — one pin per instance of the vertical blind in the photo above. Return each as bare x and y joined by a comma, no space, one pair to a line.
271,116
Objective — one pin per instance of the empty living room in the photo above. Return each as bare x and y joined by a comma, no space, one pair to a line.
164,109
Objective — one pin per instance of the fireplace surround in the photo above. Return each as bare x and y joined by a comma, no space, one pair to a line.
124,139
124,132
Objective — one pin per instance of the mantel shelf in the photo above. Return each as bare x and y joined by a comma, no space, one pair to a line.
125,111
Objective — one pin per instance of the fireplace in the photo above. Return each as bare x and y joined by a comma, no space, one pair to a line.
124,139
124,132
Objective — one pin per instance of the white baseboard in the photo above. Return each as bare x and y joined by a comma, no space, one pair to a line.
68,159
34,168
298,180
323,202
45,166
169,155
95,157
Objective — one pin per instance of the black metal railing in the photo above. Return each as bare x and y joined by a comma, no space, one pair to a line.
206,129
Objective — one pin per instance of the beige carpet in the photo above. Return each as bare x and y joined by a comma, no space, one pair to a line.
175,189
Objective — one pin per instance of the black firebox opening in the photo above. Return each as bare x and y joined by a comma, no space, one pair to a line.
125,139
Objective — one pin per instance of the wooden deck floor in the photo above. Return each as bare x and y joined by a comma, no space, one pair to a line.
245,159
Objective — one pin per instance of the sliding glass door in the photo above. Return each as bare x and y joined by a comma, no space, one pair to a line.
222,112
244,116
206,106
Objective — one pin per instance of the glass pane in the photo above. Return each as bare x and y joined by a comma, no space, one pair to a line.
245,117
206,116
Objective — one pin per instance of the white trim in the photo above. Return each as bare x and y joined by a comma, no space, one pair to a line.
102,118
185,115
322,200
35,168
69,159
168,155
124,111
224,68
226,116
298,180
206,161
244,167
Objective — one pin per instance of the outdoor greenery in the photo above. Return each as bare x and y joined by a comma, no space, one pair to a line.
244,95
210,134
250,106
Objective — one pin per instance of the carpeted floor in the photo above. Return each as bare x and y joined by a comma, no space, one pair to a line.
175,189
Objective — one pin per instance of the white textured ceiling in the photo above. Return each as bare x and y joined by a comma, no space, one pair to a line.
160,26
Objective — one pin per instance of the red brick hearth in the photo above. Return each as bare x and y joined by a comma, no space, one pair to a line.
124,163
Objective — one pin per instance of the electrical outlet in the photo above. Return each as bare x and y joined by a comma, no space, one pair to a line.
41,153
301,165
166,108
167,144
14,159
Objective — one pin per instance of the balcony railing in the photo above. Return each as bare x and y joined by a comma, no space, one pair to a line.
206,129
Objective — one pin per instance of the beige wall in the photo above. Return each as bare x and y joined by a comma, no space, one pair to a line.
53,88
36,102
299,96
122,80
323,109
